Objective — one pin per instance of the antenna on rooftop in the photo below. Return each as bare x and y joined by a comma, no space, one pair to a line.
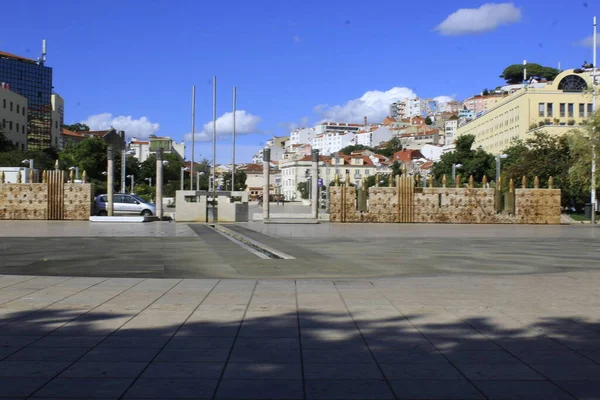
42,59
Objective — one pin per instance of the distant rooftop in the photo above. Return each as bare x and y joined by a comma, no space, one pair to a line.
4,54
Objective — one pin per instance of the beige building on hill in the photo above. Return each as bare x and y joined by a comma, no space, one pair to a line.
13,116
556,108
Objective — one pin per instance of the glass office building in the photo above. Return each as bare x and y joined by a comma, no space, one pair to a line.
33,81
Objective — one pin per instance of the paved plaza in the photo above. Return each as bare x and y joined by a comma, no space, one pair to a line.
359,312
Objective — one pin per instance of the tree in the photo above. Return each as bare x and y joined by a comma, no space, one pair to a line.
240,180
89,155
391,147
581,141
474,162
485,92
428,121
302,187
543,155
5,144
355,147
78,127
513,74
171,172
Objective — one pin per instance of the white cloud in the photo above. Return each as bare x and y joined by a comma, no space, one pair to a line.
374,104
587,42
245,123
141,127
469,21
444,99
290,126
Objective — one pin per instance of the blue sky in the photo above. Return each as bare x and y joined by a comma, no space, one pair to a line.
132,63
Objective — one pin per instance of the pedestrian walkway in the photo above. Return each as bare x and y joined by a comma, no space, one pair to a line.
445,337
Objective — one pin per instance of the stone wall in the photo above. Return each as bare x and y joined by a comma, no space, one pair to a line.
447,205
29,201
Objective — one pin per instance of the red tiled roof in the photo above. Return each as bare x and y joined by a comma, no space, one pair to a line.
427,165
99,133
251,167
321,158
140,142
67,132
16,57
407,155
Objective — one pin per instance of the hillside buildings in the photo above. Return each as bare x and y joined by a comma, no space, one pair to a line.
556,107
33,80
142,149
13,116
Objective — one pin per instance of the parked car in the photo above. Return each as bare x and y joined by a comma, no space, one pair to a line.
123,204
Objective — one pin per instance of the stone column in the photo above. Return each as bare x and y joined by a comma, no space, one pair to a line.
315,184
266,177
110,180
158,186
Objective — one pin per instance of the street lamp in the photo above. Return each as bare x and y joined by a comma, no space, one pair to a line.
149,180
132,177
454,166
183,169
124,154
76,169
28,162
198,175
498,158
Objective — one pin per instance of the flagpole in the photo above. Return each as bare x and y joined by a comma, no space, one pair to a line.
593,185
214,171
233,144
193,136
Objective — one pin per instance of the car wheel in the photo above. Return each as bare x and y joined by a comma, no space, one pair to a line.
102,213
146,213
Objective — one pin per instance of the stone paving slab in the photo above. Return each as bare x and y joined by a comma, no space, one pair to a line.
530,336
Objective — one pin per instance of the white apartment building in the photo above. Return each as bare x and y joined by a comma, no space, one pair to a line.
142,149
13,116
277,145
58,120
301,136
358,166
330,142
450,128
375,136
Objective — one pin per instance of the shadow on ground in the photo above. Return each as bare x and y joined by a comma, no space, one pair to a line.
317,351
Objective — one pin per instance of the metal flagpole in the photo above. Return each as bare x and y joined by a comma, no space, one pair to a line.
214,171
593,183
193,136
233,144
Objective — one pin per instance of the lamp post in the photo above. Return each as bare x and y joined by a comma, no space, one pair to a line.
183,176
76,169
498,158
198,175
132,179
124,154
593,178
149,181
454,166
29,163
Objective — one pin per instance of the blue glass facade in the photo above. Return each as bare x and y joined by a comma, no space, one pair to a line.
33,81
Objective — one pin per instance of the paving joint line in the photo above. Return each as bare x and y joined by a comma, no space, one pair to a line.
68,278
16,283
172,336
300,340
389,385
107,336
237,334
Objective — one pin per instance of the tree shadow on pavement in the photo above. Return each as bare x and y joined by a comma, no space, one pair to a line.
276,352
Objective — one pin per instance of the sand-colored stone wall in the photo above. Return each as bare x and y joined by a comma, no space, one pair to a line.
29,201
447,205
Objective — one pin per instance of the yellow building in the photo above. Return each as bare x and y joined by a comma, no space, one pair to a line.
556,108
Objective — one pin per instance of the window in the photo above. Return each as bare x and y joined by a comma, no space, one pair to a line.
4,103
590,109
549,110
571,110
18,108
581,110
17,127
11,106
541,108
10,125
563,109
23,129
23,110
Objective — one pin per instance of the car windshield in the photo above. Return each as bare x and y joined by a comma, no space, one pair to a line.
138,198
